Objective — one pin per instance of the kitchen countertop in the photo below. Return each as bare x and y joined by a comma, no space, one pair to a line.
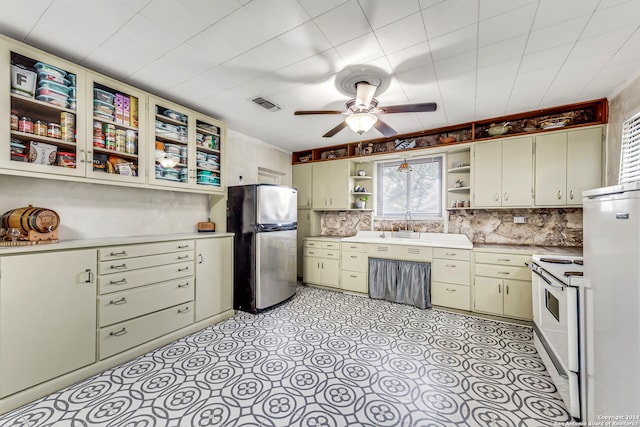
531,249
439,240
106,241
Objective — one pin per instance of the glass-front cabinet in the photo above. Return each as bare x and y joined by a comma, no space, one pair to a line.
188,147
46,113
116,137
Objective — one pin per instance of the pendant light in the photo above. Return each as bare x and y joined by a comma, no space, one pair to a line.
405,167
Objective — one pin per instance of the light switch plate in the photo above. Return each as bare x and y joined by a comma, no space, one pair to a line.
519,220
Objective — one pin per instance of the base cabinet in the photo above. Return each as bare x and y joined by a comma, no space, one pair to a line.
214,277
322,263
354,267
47,316
451,278
502,285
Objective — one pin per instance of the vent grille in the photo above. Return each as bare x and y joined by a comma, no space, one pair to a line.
268,105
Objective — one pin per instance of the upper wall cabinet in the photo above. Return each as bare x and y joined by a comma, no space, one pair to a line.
330,186
567,163
45,101
70,123
503,172
302,177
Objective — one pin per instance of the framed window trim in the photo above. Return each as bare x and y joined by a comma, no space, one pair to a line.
437,159
630,150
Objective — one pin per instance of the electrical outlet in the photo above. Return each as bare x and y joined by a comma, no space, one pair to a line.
342,216
519,220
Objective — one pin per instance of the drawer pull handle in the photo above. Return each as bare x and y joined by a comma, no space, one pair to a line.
451,290
183,257
311,253
504,272
118,282
122,300
183,246
504,259
184,269
117,267
122,331
353,277
450,254
353,247
353,256
329,254
183,310
123,253
184,285
451,265
89,276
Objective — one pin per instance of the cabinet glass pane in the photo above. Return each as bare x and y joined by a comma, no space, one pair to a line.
115,131
207,153
43,113
171,141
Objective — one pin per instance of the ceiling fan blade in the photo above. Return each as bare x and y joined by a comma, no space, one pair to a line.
384,128
364,95
409,108
302,113
335,130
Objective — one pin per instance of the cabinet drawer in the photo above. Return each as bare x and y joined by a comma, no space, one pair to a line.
354,247
128,251
412,253
502,259
123,336
121,265
119,306
330,245
354,281
312,244
451,271
461,254
449,295
144,276
503,272
354,261
322,253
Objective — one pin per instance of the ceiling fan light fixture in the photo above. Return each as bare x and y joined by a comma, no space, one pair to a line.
405,167
361,122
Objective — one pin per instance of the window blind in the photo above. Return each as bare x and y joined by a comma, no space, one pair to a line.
630,155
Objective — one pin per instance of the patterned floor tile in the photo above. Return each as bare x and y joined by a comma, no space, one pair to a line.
321,359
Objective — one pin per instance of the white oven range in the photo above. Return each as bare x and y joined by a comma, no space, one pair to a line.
558,302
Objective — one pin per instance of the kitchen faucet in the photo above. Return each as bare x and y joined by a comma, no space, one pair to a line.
382,228
407,218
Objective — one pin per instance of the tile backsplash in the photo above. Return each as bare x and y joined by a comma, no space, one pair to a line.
544,227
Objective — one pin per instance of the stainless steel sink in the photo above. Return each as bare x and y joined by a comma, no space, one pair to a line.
405,235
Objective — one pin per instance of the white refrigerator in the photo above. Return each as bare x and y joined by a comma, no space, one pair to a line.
611,220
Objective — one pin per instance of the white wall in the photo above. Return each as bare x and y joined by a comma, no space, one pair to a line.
93,211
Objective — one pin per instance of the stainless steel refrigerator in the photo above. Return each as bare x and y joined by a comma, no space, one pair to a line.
612,302
264,220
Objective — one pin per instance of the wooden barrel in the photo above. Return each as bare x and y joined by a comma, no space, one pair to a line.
38,219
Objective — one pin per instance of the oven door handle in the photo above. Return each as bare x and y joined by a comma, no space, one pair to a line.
545,279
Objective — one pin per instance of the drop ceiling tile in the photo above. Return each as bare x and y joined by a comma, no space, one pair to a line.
320,67
215,44
315,7
527,96
537,76
458,97
267,86
291,47
425,4
616,77
18,20
174,19
211,11
455,66
507,25
383,13
345,22
419,84
629,51
128,53
111,15
607,43
269,13
245,29
402,34
454,43
553,57
381,65
360,50
492,8
552,12
556,35
444,17
502,51
410,58
504,73
149,35
604,4
611,19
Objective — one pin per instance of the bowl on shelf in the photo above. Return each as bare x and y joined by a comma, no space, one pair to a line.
496,129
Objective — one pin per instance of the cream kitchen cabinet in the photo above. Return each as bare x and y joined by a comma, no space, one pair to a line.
322,262
451,278
47,316
503,172
354,267
330,185
302,179
567,163
502,284
308,225
214,277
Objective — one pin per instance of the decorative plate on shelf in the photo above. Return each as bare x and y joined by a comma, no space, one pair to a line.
554,123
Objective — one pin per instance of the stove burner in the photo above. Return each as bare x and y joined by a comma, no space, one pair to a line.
578,261
573,273
556,260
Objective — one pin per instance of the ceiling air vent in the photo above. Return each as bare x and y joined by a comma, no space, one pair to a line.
266,104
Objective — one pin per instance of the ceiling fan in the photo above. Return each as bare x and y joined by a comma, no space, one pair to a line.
361,112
